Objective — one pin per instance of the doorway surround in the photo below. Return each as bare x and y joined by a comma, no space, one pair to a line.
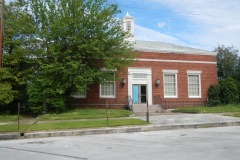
140,76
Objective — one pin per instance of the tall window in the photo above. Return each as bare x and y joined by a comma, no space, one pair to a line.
128,26
108,89
194,84
170,83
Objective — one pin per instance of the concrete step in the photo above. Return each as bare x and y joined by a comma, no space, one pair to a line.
142,108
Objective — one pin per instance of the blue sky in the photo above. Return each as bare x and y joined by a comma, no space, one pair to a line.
203,24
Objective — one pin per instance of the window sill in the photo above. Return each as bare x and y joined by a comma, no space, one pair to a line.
194,97
107,96
170,96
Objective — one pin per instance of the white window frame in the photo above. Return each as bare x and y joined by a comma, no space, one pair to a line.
114,87
140,76
108,96
196,73
172,72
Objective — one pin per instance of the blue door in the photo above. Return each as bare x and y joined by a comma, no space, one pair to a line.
135,94
139,94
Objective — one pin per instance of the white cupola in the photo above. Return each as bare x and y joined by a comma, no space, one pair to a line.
128,25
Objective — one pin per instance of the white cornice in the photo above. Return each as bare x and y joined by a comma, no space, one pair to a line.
174,61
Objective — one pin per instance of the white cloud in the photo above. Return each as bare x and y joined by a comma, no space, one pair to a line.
161,24
146,34
228,28
216,21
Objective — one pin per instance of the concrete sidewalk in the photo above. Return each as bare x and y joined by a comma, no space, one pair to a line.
186,119
158,122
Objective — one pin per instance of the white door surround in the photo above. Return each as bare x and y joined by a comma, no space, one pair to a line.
141,76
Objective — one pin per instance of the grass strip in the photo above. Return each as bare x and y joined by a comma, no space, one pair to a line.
88,114
75,114
71,125
9,118
233,114
217,109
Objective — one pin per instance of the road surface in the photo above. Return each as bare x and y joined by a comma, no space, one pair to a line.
221,143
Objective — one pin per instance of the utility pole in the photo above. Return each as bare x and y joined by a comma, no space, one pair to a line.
1,31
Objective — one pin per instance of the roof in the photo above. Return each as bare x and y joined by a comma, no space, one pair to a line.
160,47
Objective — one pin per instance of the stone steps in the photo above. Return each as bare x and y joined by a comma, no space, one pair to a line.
142,108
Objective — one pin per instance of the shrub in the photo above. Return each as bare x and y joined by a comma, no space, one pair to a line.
213,95
229,91
6,93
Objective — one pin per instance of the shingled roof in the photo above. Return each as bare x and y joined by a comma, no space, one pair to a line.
160,47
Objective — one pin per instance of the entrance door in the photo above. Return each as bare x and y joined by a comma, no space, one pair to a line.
139,94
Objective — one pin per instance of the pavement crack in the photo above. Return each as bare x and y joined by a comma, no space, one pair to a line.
46,153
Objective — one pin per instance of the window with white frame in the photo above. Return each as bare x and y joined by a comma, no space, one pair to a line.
194,84
139,76
108,89
170,83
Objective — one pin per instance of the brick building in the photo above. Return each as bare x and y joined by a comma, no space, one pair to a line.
164,76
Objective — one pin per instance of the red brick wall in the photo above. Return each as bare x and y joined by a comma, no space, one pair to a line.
174,56
208,77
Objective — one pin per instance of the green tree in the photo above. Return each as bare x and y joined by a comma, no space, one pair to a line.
227,62
229,93
213,95
63,46
17,61
6,93
237,77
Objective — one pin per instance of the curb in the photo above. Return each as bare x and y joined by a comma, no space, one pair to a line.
14,136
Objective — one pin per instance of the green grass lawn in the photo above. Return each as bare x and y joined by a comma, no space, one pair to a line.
71,125
71,115
233,114
217,109
88,114
9,118
93,118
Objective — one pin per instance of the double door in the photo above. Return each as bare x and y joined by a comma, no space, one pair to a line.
139,93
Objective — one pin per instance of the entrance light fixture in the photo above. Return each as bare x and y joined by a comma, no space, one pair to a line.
157,82
124,81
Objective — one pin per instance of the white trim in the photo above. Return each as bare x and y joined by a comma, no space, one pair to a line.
175,61
170,71
111,96
147,81
175,72
132,70
193,72
200,82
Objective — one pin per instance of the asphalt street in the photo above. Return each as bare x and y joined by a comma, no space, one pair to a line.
221,143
